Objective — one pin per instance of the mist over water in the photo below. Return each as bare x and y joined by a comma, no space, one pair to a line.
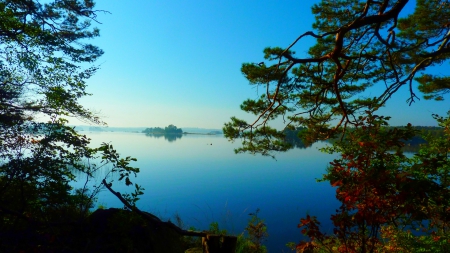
201,179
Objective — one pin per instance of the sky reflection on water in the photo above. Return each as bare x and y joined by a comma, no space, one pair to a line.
204,183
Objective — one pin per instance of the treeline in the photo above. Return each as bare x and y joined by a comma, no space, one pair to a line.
171,129
292,137
411,145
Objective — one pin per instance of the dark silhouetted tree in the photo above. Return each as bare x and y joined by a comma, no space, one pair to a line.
45,60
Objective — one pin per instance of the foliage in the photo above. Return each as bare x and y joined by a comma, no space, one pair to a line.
292,137
214,229
364,52
257,234
359,45
249,241
396,240
385,193
45,60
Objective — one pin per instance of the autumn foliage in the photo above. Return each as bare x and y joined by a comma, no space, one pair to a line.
385,194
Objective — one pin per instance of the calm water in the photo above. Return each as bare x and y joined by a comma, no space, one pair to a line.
203,183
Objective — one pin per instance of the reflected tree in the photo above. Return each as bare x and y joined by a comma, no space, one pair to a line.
172,137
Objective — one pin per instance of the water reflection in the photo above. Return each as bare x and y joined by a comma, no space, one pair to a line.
200,178
168,137
294,141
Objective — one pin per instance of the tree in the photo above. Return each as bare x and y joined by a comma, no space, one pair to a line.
359,44
383,193
171,129
45,60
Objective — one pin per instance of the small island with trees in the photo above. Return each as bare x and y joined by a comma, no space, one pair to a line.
171,129
171,133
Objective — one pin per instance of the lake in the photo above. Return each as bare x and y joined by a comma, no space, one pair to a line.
201,179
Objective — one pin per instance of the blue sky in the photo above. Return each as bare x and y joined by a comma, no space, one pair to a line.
178,62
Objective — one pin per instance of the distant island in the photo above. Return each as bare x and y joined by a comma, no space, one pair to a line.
185,130
171,133
171,129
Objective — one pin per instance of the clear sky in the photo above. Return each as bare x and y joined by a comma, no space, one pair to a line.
178,62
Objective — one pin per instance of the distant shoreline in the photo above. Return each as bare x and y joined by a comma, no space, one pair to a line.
202,133
188,130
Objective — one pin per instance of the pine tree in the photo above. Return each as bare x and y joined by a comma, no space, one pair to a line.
359,44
